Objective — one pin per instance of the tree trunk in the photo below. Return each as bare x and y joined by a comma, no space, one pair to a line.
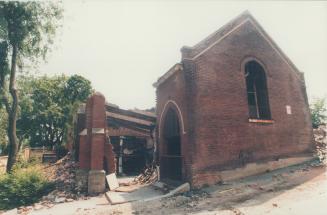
12,115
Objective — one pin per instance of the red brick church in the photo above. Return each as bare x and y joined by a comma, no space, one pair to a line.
234,106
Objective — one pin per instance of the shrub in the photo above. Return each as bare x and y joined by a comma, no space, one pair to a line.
34,160
3,148
23,187
318,112
23,163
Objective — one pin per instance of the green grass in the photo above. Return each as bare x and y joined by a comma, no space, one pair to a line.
23,186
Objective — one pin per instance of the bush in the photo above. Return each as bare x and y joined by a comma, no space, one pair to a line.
23,163
318,112
3,148
23,187
34,160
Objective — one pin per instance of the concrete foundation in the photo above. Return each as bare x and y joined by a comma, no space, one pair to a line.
257,168
248,170
81,180
96,181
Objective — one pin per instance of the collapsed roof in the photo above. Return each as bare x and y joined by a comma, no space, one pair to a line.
129,122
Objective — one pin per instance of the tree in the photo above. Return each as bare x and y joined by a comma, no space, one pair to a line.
47,107
3,115
318,112
27,30
3,131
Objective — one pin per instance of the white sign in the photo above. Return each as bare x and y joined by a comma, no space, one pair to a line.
288,109
112,181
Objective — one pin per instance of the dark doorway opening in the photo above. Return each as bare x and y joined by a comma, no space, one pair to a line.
171,159
134,155
132,152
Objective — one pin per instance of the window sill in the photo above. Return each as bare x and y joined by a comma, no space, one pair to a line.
264,121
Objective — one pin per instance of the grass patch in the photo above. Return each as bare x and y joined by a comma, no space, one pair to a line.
25,185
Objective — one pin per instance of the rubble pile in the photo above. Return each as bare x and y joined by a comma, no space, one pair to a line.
62,173
148,176
188,200
320,136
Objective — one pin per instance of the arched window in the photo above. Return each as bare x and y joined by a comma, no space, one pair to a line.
256,86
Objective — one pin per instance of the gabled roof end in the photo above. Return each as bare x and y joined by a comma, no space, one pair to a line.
177,67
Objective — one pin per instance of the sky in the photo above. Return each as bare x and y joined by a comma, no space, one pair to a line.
123,47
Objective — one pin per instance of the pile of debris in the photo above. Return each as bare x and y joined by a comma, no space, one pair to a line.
320,136
187,200
53,198
148,176
62,173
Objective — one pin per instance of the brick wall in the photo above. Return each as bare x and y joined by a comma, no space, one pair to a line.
95,152
211,92
110,161
172,94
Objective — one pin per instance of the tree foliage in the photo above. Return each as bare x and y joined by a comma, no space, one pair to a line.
47,107
318,112
31,26
27,30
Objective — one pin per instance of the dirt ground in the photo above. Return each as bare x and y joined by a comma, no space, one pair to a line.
300,189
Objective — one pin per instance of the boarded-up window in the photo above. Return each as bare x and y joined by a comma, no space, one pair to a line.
256,86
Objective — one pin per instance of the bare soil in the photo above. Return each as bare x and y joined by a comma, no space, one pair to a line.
300,189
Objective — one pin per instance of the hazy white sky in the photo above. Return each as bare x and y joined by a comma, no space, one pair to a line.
124,46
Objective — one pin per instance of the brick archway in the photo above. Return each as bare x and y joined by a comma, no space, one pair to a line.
171,131
171,104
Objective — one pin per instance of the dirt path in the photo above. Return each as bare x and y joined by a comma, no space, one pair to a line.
294,190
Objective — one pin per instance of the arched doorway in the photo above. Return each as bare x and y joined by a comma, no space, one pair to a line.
171,159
